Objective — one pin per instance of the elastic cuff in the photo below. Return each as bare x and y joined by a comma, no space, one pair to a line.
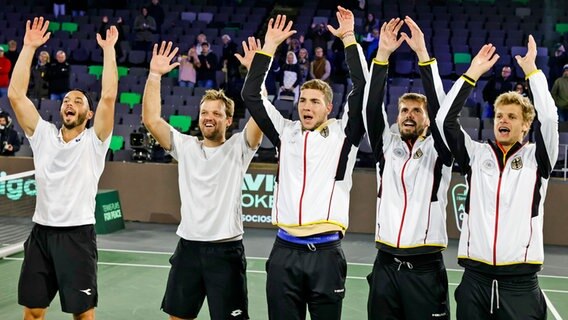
380,63
468,80
426,63
264,53
531,74
350,44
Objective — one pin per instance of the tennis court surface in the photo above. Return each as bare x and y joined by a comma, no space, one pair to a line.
133,268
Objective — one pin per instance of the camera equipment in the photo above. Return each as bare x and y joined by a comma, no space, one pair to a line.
142,143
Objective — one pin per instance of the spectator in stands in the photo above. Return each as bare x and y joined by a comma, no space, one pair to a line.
228,61
105,25
521,88
291,79
199,40
371,23
187,73
12,54
494,87
58,76
5,68
144,27
206,67
304,63
319,35
79,7
371,43
557,60
156,11
560,94
39,86
320,68
9,138
271,77
209,260
58,7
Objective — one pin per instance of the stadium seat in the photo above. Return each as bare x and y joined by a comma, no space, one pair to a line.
562,28
130,98
70,27
122,71
116,143
54,26
462,57
97,71
180,122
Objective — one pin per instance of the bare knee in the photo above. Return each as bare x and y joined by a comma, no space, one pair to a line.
34,313
87,315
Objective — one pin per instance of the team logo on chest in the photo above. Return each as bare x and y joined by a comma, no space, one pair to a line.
517,163
488,164
398,152
418,154
325,132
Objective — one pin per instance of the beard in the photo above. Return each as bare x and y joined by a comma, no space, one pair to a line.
213,135
81,118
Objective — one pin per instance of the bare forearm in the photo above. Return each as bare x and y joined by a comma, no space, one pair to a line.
21,75
151,110
151,101
110,76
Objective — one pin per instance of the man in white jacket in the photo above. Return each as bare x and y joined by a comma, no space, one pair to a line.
501,243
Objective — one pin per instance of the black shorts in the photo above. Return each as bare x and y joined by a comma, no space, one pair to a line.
408,287
213,269
483,296
298,275
60,259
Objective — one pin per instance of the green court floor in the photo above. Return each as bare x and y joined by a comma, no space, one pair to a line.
131,285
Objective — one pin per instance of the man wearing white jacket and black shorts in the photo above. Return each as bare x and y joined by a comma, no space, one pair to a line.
306,267
414,169
501,242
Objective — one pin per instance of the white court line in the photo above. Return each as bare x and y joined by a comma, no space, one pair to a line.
264,259
551,307
249,271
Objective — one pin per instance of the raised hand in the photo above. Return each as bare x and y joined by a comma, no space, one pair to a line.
416,40
528,62
110,39
278,31
253,46
161,62
346,22
482,62
36,34
388,41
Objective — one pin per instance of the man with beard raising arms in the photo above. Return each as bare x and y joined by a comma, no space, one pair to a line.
409,279
209,259
61,251
316,160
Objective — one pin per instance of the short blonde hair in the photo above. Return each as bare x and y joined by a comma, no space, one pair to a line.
322,86
213,95
513,97
417,97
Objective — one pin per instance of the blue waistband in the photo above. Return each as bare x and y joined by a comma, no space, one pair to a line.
323,238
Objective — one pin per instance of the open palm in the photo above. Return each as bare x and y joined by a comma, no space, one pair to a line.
528,62
36,34
483,61
346,21
389,33
110,39
278,30
161,62
248,51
